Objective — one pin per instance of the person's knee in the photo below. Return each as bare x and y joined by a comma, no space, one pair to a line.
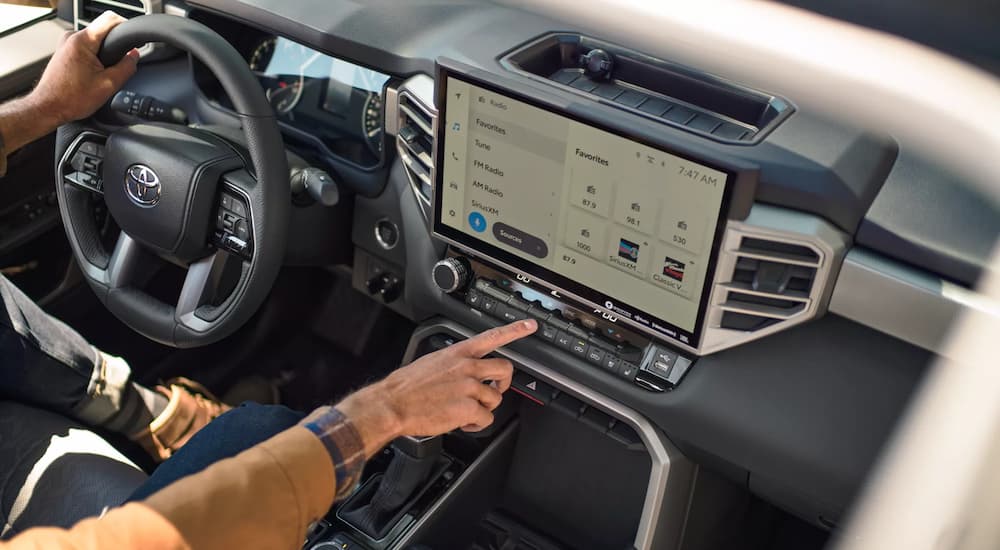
252,417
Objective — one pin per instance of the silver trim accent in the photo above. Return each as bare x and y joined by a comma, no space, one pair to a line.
902,301
419,90
671,475
184,313
772,223
450,264
378,236
174,9
390,116
195,284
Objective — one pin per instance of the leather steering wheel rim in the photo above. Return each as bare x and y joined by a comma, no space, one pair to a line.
265,187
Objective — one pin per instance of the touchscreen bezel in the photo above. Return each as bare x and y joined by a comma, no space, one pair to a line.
555,281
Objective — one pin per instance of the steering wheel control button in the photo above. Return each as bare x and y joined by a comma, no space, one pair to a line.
232,221
242,230
239,208
84,166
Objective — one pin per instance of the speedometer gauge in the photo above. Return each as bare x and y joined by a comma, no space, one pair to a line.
282,81
372,123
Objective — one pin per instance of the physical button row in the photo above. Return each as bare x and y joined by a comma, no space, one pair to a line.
617,359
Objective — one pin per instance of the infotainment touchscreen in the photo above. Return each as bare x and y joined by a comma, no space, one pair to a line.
626,226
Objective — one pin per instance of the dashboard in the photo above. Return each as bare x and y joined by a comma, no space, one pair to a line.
771,251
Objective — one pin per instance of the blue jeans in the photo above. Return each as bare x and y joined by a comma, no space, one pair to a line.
224,437
47,364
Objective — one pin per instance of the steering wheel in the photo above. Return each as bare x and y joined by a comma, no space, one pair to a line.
180,195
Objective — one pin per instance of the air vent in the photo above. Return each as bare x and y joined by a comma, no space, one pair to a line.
770,283
772,273
86,11
415,142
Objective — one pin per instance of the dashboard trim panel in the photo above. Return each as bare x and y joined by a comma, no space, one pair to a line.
784,226
912,305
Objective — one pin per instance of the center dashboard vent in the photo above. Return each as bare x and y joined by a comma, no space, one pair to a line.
415,143
773,273
85,11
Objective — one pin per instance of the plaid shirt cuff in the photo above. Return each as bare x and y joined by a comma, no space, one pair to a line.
344,444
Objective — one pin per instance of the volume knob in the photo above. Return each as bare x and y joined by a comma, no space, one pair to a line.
450,274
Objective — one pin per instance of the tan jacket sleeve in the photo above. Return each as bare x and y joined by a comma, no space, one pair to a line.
131,526
264,498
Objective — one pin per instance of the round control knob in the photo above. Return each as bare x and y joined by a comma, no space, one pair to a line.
450,274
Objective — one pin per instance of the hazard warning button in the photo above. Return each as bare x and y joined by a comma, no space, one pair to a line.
532,388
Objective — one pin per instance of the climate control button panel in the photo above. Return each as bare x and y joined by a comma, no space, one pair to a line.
649,365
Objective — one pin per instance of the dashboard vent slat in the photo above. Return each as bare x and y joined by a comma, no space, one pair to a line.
415,143
770,282
86,11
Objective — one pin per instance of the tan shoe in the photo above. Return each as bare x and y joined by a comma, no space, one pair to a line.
190,408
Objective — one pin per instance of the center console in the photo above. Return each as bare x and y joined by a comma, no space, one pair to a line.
625,487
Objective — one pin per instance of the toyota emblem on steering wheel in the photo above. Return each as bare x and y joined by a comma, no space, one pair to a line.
142,185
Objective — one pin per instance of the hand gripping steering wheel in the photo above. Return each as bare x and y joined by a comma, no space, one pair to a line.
175,192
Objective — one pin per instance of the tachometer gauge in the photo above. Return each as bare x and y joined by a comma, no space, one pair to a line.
371,123
262,54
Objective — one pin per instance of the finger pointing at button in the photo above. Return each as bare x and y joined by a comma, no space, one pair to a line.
440,391
489,341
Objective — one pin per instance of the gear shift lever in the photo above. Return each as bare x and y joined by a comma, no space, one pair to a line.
371,510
